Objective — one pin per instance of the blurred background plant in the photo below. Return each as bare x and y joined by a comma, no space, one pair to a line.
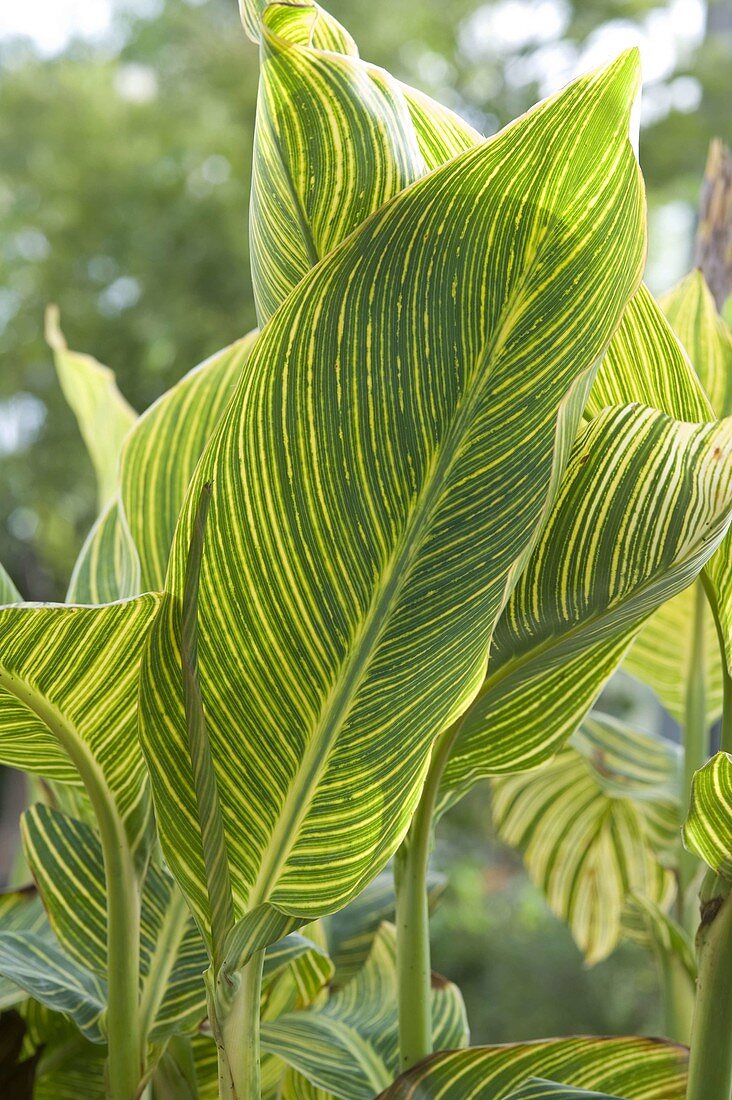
125,134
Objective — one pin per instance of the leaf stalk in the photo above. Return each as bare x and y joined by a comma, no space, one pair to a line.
710,1064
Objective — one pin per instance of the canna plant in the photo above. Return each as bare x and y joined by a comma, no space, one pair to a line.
389,545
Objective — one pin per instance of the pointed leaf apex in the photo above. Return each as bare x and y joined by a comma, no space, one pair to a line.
52,329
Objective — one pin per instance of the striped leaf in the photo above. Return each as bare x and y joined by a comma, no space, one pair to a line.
645,363
54,719
162,450
294,973
108,566
37,965
637,1069
661,657
706,336
351,930
347,564
103,415
65,857
708,828
708,339
350,1047
20,911
335,139
70,1068
592,824
536,1089
645,923
643,504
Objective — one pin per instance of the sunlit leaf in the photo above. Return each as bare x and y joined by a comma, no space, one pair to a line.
636,1069
55,721
103,415
162,450
643,504
366,524
350,1047
708,828
588,824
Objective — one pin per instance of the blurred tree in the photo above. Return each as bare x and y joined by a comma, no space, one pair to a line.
124,181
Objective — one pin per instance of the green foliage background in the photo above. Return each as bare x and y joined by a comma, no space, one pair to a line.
123,195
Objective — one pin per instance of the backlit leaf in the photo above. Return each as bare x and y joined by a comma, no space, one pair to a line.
366,524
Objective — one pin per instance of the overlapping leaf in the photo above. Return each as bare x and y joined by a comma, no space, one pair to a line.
351,931
103,415
37,965
54,719
365,523
708,828
707,338
20,911
336,138
161,453
661,657
536,1089
591,825
66,859
643,504
637,1069
350,1047
108,566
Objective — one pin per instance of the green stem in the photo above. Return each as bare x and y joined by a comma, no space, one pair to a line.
677,997
710,1063
125,1049
726,735
238,1035
696,732
414,971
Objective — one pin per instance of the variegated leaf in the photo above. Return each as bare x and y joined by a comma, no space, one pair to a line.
708,828
636,1069
103,415
350,1047
592,824
366,523
643,504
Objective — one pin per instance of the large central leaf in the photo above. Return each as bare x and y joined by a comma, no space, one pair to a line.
386,460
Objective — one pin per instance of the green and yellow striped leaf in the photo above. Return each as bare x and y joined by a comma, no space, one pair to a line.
708,339
646,923
706,336
351,930
592,824
661,657
643,504
161,452
71,1068
55,719
708,828
322,30
103,415
645,363
65,857
350,1047
637,1069
20,911
108,566
371,497
336,138
536,1089
37,965
295,972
